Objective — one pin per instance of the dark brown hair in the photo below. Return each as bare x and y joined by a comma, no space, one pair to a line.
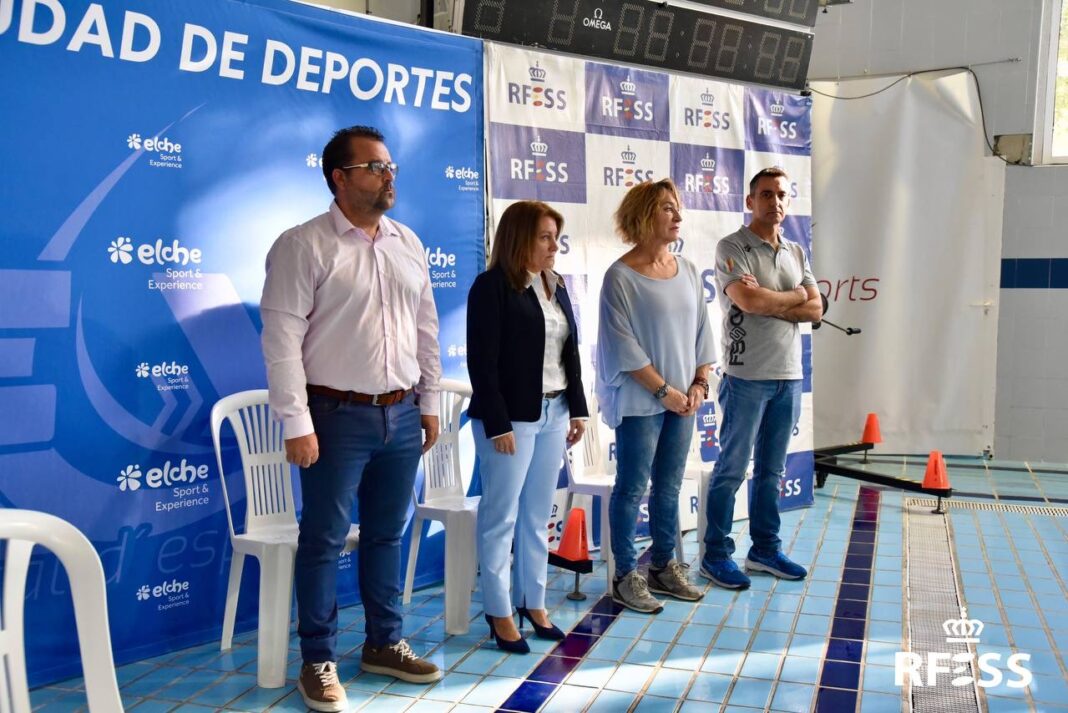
513,242
634,217
773,172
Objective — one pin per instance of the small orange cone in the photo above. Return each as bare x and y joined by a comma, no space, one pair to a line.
935,476
871,430
573,545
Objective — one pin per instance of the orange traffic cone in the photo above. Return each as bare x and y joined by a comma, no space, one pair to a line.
935,477
574,552
871,430
573,545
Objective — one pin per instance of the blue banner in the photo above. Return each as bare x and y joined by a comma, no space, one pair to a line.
154,153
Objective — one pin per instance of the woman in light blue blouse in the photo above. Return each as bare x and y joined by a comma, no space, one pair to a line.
654,350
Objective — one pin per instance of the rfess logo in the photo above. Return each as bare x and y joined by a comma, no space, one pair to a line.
961,631
168,153
706,180
627,173
627,105
129,478
536,91
121,251
776,126
706,115
538,167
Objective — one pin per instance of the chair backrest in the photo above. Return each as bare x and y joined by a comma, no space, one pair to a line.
441,464
268,477
22,529
589,456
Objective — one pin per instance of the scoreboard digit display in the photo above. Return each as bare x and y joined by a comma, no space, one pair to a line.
655,34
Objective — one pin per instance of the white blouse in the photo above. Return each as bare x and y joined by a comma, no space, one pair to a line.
557,330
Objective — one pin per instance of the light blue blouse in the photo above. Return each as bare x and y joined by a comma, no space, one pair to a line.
648,321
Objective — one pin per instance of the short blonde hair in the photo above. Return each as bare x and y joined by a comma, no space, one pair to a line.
634,217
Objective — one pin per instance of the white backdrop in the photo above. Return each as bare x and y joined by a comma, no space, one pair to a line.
907,219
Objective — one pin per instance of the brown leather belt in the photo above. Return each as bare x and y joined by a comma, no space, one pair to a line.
552,394
386,399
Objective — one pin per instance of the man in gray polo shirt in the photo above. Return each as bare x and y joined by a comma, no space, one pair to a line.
768,287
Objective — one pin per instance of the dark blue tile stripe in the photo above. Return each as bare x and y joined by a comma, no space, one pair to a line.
840,676
1034,273
565,656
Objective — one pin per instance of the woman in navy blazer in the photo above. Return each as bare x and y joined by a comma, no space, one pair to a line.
527,402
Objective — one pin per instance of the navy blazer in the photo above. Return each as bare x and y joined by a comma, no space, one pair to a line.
506,351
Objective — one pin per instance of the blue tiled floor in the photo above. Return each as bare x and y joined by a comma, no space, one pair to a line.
769,648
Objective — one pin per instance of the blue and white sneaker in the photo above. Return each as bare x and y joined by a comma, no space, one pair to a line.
777,564
725,573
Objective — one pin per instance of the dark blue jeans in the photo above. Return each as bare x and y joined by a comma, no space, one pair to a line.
368,454
758,420
649,449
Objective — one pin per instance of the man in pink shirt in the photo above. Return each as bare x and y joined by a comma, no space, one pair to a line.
350,342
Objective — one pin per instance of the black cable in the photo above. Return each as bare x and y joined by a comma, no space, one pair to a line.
978,94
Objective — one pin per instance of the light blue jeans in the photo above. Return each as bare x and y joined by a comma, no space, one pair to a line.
648,448
758,420
517,502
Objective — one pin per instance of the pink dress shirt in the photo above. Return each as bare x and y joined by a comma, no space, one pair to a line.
343,310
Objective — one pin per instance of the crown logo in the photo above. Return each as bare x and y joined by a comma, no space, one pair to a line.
537,74
628,156
538,147
777,109
963,630
627,86
708,163
708,98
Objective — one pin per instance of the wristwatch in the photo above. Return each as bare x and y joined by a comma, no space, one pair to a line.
661,392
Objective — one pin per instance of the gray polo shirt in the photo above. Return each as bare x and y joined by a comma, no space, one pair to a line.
754,346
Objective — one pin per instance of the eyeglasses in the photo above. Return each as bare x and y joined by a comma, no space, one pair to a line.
375,167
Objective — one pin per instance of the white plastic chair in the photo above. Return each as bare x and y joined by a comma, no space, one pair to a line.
445,500
588,474
270,527
22,529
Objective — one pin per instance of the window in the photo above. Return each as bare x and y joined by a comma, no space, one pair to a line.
1051,116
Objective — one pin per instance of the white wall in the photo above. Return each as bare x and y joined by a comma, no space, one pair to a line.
873,37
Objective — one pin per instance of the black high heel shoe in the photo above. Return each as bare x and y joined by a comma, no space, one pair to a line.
551,632
519,646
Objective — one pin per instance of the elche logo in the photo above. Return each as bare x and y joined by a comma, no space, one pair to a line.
538,167
626,105
461,173
313,160
438,258
626,174
964,663
537,92
597,22
457,350
705,179
168,153
705,115
172,368
130,477
776,125
122,251
170,588
153,143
